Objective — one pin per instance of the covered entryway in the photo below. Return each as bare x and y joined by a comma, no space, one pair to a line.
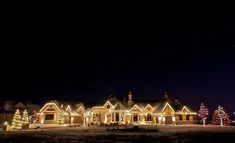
77,120
168,119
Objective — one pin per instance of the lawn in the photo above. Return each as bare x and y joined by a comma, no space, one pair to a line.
103,135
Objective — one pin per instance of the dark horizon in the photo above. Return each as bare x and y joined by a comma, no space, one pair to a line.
92,56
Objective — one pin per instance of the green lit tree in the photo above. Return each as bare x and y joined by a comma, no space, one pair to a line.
25,119
60,118
16,122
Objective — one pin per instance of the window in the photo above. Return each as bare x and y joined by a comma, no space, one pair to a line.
108,106
180,117
117,116
187,117
49,117
149,117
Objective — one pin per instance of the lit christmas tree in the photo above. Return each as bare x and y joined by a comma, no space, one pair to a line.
216,120
61,118
16,122
203,113
220,117
25,119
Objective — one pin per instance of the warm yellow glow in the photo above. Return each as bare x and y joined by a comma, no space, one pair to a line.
42,121
167,104
148,105
173,119
80,108
107,103
105,119
185,109
72,120
136,107
49,104
68,109
163,119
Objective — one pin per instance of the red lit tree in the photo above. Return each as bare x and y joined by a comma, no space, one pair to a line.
220,117
203,113
226,120
216,120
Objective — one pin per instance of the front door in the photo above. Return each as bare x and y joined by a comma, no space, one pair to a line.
168,119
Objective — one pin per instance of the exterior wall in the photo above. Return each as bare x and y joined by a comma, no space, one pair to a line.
184,119
6,118
98,115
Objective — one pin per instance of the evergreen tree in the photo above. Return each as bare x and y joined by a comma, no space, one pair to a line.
16,122
203,113
216,120
220,117
25,117
61,118
226,120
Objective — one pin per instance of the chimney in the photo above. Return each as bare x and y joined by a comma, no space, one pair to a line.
165,95
176,100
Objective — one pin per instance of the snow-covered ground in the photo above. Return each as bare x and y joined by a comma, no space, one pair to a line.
194,133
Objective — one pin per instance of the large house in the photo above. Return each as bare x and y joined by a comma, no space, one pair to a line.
58,113
115,111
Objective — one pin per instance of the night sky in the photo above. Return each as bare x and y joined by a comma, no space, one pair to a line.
86,57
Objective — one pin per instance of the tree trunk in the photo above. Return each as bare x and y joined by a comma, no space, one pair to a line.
204,122
221,121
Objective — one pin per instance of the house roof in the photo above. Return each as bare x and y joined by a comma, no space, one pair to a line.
119,106
31,108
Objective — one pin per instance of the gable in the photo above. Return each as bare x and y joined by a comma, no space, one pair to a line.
119,106
68,109
167,109
80,110
136,108
107,105
148,108
50,107
185,109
